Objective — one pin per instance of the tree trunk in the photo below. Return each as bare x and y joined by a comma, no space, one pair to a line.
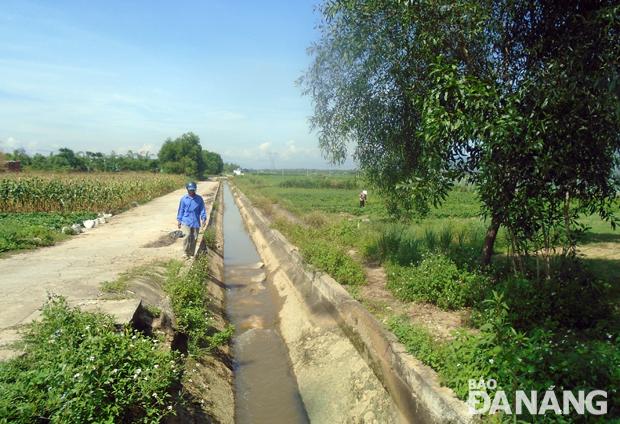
489,241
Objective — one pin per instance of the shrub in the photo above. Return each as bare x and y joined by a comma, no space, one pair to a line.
78,368
573,298
190,304
539,360
210,238
334,261
436,279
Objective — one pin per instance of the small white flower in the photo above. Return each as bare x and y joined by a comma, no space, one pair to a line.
491,360
169,407
155,366
458,365
76,375
91,359
115,370
87,327
154,395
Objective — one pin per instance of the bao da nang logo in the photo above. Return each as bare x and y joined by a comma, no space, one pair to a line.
536,403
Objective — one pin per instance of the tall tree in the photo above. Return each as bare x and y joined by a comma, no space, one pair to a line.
501,92
183,155
213,162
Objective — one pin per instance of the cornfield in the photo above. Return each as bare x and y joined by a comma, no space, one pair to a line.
83,192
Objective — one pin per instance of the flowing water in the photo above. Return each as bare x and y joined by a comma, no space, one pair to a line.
265,386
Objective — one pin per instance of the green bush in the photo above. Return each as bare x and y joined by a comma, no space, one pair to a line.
210,238
77,367
435,279
190,303
574,298
539,360
334,261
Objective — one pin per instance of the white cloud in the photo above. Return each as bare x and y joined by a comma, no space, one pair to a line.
11,143
294,149
265,146
148,148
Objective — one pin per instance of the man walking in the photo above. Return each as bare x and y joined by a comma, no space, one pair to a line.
191,216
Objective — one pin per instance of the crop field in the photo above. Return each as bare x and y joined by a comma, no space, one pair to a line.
537,333
34,207
111,192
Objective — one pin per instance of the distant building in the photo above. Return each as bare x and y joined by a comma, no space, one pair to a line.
13,166
238,172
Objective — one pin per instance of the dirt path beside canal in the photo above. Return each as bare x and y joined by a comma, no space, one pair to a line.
76,268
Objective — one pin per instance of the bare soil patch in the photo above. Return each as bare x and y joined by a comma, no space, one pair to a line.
165,240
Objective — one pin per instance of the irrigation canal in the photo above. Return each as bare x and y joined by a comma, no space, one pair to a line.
265,386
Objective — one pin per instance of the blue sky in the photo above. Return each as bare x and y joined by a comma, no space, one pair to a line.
125,75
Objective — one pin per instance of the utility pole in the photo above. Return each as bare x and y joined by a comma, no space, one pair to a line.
273,161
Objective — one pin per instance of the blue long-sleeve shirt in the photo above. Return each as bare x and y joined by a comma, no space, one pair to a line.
191,211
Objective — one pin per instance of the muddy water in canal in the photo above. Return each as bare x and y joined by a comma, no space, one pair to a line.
265,386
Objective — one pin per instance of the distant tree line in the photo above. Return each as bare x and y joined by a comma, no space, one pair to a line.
183,155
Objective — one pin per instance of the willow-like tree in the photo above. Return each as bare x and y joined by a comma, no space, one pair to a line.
516,96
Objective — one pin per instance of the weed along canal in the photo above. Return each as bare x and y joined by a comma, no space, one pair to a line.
265,387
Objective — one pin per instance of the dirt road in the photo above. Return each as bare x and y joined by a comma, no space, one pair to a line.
76,267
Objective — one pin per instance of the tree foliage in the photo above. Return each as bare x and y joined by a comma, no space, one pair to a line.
183,155
518,96
69,161
213,162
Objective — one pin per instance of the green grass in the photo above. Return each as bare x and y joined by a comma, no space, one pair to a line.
30,230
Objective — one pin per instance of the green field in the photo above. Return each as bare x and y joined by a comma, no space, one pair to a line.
461,210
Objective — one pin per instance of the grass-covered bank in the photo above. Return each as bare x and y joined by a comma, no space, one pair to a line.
80,367
524,330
